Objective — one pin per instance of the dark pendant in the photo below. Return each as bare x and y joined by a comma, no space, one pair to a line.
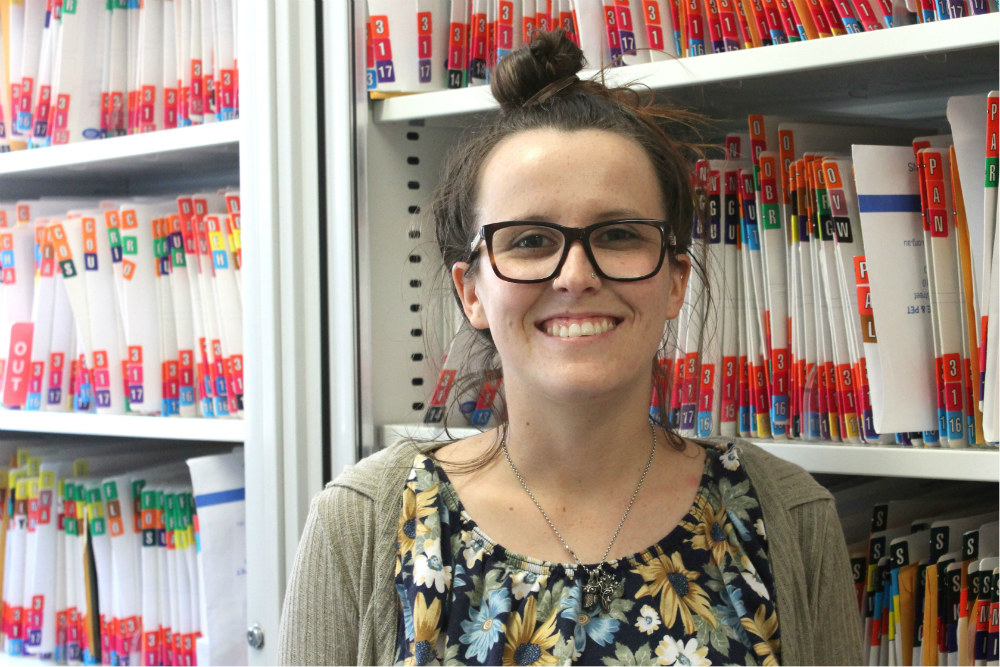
599,589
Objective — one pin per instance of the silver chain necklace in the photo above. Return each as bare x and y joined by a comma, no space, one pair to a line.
601,587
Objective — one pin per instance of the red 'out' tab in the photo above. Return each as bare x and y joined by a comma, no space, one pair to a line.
15,389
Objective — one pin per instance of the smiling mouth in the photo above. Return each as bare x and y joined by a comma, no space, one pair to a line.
579,328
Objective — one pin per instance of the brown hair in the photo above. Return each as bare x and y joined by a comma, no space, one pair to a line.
537,87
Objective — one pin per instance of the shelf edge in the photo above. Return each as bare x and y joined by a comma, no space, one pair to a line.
973,465
149,145
912,40
124,426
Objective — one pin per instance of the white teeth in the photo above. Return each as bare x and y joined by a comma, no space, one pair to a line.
576,330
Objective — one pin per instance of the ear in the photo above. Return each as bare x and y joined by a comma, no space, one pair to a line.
465,285
680,271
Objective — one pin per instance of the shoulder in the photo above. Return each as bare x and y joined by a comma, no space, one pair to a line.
778,480
374,474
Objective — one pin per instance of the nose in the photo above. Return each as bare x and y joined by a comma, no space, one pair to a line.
577,274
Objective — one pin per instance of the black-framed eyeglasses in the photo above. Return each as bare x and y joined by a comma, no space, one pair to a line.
523,251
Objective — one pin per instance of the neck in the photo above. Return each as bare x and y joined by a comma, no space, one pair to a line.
591,445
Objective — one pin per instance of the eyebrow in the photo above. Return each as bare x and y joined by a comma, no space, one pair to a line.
603,216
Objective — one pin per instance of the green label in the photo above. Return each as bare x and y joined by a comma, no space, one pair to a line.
69,7
110,491
770,216
992,178
129,245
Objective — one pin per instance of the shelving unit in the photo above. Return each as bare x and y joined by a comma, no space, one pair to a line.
902,76
272,153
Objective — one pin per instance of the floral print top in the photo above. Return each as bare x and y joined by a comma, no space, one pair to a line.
701,595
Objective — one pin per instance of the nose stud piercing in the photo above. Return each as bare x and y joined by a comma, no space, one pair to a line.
593,275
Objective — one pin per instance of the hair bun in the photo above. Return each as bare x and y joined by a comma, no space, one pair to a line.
521,75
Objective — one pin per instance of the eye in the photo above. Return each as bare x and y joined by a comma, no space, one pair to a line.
527,238
617,234
532,241
625,235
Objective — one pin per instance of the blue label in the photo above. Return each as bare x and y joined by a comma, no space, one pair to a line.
779,414
92,133
931,437
186,396
744,417
33,402
956,425
852,26
704,424
481,417
206,408
7,259
221,261
221,407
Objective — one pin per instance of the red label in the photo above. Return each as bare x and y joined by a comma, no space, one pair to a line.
707,390
865,300
15,390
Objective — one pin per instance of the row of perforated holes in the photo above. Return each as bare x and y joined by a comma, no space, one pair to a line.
413,232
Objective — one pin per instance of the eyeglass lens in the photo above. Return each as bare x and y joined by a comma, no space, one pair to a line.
622,250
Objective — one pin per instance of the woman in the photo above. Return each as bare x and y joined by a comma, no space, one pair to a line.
580,530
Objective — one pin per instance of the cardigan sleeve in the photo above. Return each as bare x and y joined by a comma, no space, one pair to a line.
324,599
833,618
816,599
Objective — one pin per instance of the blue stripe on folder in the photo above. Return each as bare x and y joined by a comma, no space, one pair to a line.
889,203
220,497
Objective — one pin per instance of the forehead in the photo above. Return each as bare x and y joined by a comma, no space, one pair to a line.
575,177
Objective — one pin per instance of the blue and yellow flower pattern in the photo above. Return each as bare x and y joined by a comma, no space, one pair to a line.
702,595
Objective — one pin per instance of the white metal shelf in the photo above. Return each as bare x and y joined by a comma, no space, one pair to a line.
123,426
153,161
897,74
970,465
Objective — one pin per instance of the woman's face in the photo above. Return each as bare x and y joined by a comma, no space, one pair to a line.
574,179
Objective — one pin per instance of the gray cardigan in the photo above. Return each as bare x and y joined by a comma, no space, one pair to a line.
341,605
